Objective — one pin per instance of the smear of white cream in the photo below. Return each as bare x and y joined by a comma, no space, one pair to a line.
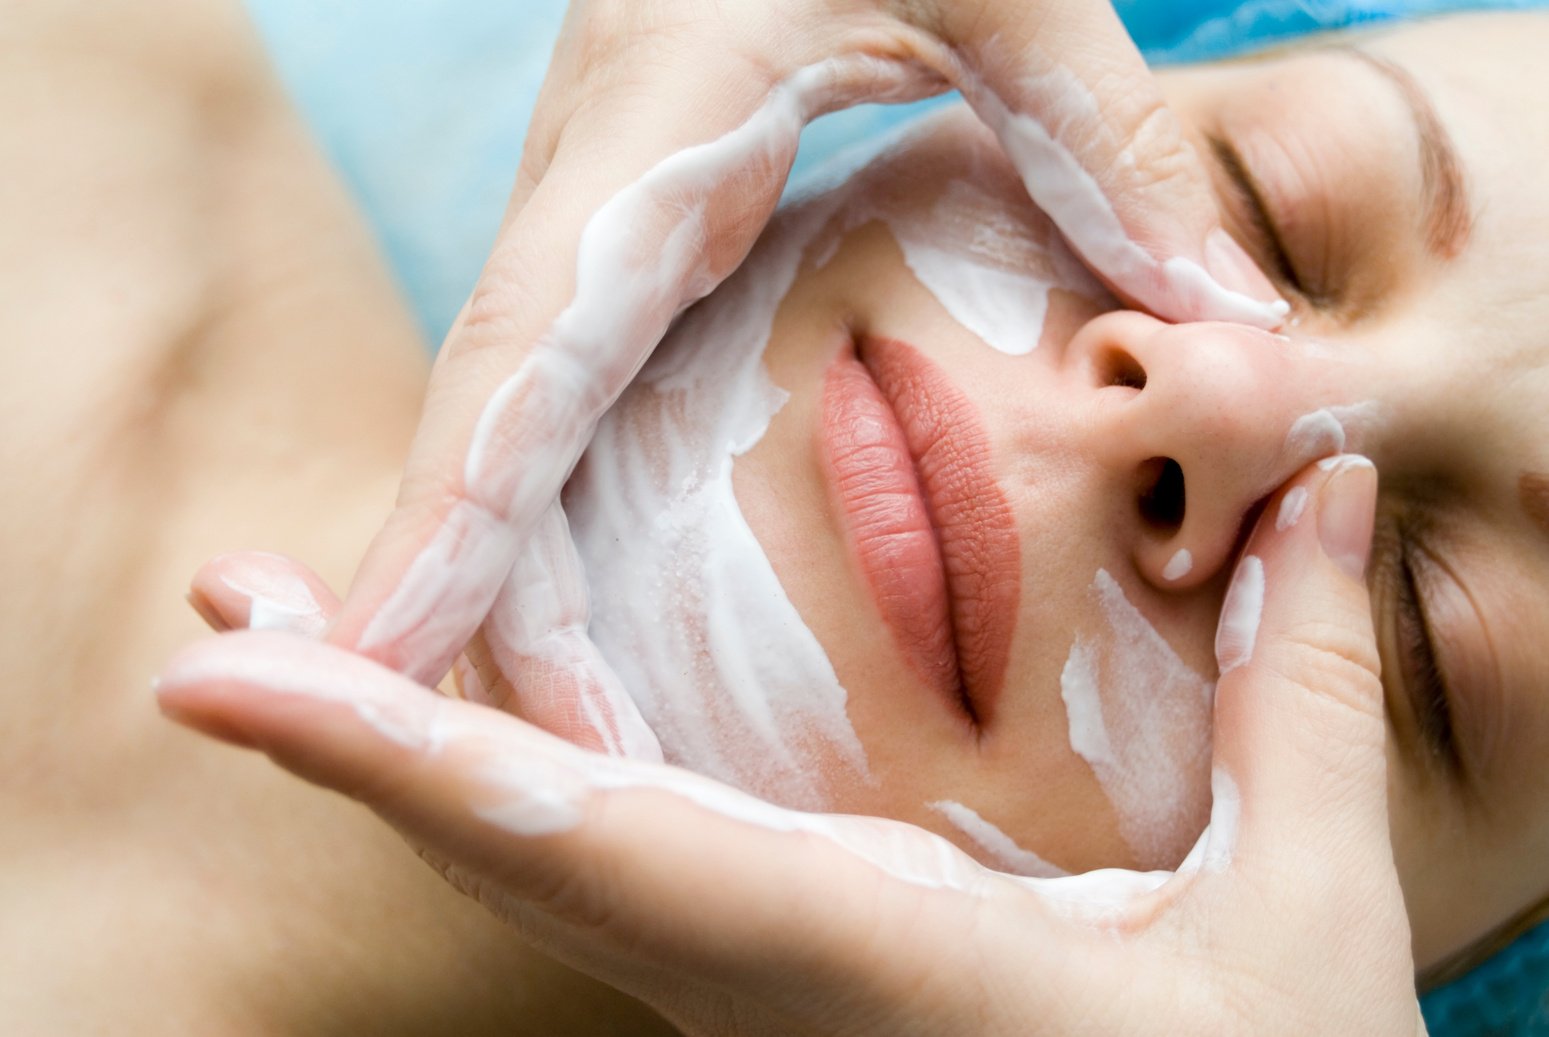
984,262
1056,181
1213,851
685,604
999,849
1329,430
1140,717
1291,507
987,257
278,600
1315,435
537,634
1179,565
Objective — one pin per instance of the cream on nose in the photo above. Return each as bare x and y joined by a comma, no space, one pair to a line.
1194,426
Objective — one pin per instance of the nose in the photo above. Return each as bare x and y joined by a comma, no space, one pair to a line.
1194,425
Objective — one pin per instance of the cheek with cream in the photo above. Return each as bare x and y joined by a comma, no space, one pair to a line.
685,605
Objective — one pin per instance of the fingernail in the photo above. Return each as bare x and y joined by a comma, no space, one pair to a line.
1235,269
1346,506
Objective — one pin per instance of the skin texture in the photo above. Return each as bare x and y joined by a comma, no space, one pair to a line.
737,917
1437,341
220,468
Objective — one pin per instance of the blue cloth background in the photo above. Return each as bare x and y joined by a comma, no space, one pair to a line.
422,106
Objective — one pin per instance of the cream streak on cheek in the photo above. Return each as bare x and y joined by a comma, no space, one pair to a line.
1140,717
981,262
685,605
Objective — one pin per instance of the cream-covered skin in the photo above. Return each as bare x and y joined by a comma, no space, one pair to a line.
1124,444
191,299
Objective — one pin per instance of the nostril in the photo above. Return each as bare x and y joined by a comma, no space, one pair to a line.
1162,493
1117,367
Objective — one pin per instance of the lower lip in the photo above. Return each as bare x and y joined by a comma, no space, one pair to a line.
935,540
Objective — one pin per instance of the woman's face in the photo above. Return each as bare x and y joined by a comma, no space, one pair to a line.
1016,563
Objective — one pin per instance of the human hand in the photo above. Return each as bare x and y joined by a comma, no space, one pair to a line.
659,148
732,916
548,671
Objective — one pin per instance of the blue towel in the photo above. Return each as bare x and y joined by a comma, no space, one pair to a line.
422,108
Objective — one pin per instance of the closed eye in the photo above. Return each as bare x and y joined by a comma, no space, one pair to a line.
1248,203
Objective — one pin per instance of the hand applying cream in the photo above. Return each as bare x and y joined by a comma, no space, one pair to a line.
714,906
658,150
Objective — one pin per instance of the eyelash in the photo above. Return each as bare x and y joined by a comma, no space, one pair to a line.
1251,201
1421,675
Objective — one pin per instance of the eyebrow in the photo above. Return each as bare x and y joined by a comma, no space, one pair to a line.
1533,493
1448,218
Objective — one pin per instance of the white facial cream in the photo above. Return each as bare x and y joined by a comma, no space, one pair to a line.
996,847
278,599
685,604
1140,717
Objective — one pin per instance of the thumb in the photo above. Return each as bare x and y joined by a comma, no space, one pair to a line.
1301,740
1300,728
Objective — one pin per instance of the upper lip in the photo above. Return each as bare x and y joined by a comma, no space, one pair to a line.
976,547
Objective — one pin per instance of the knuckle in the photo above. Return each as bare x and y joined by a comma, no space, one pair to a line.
495,308
1155,157
1328,632
1334,671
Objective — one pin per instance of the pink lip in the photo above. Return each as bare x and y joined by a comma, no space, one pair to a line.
909,461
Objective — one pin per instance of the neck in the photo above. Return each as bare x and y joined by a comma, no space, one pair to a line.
240,373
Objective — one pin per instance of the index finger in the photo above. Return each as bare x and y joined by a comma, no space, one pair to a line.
1082,118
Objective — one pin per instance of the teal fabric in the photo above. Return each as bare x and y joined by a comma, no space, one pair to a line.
1507,996
422,107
